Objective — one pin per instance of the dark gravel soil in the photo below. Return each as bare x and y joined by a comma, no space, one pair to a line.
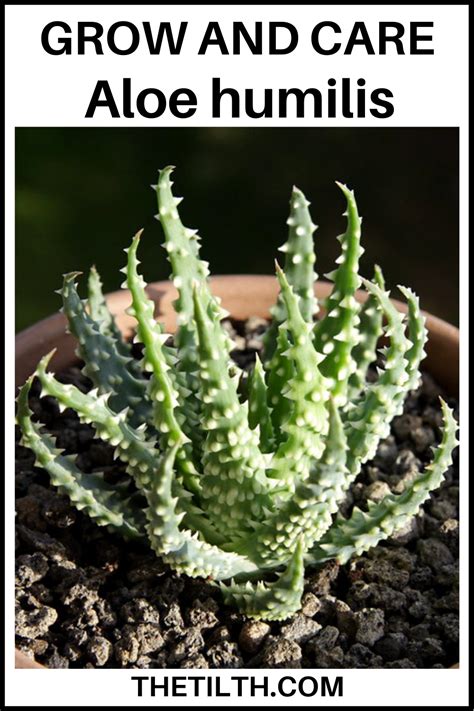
84,598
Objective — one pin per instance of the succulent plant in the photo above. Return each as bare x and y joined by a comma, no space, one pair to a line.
241,483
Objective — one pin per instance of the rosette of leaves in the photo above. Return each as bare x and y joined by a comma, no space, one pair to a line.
242,490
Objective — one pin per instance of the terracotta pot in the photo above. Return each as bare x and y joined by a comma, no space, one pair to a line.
242,296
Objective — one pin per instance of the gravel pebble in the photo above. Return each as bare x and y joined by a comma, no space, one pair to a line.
434,553
319,583
127,648
362,657
370,625
149,636
225,655
99,650
139,610
345,618
203,614
325,640
310,604
252,635
300,629
30,568
376,491
195,661
391,646
282,653
36,622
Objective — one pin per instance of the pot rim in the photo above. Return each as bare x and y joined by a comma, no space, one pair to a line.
243,295
239,294
217,281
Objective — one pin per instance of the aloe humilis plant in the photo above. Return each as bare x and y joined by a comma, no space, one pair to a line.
234,486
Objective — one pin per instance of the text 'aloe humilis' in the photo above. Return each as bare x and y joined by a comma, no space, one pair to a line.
227,486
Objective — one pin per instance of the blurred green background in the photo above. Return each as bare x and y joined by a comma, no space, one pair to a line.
82,193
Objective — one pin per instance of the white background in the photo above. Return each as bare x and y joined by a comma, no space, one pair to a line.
43,90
